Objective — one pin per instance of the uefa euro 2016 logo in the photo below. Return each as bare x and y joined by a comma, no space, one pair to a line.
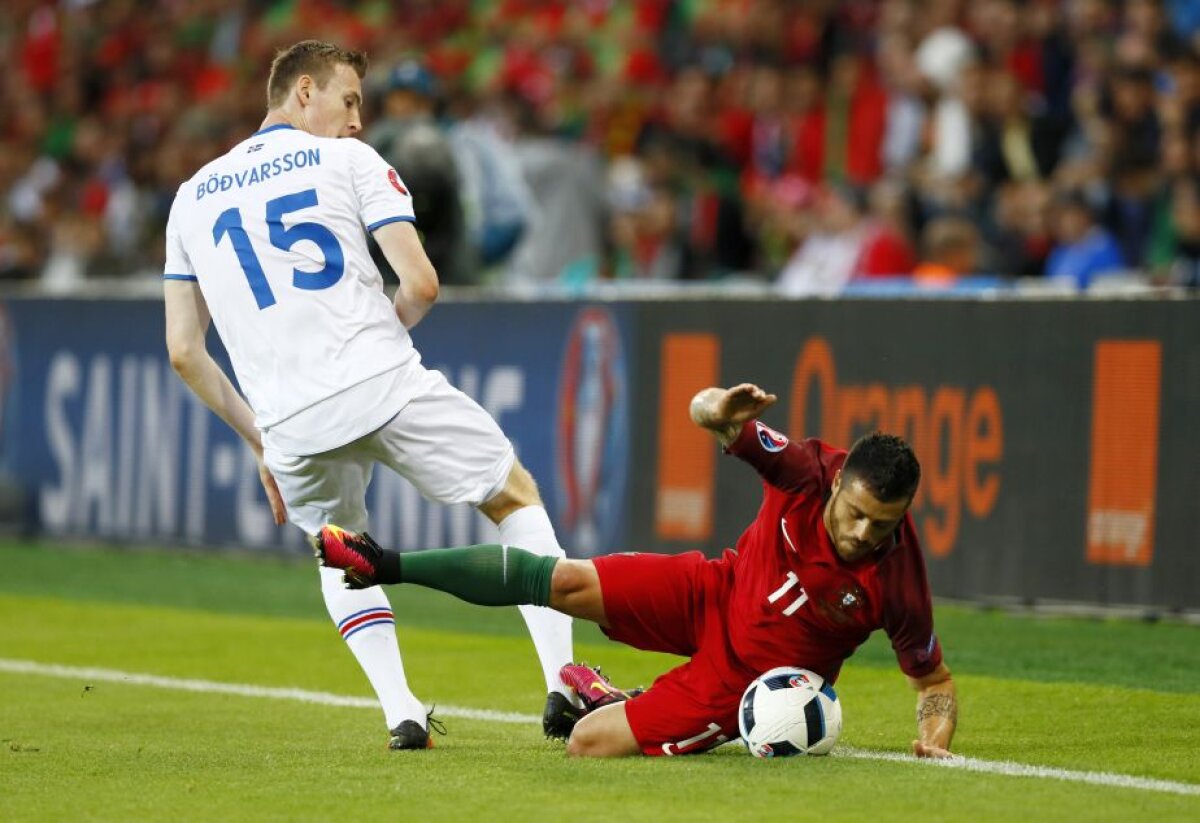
592,437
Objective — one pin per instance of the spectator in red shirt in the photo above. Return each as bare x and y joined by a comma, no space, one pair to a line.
855,121
887,250
831,557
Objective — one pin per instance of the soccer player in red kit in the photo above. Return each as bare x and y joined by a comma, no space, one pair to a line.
831,557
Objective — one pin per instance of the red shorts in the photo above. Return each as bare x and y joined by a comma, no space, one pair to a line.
676,604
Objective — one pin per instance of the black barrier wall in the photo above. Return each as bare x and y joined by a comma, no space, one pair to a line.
1056,438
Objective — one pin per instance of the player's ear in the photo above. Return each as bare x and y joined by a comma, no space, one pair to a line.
837,481
304,88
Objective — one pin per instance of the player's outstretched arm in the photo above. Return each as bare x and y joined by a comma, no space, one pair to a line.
418,290
937,713
723,411
187,322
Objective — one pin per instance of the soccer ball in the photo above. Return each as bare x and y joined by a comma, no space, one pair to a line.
789,711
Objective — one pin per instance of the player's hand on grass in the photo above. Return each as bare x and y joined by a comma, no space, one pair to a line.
278,511
932,752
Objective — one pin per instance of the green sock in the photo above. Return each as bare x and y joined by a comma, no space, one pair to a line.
487,575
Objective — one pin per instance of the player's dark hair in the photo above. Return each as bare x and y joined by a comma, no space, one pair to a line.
886,465
311,57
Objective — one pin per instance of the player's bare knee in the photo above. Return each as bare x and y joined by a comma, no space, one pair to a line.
587,740
577,746
567,578
575,589
603,733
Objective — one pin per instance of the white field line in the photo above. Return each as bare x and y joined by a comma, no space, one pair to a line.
970,764
238,689
1013,769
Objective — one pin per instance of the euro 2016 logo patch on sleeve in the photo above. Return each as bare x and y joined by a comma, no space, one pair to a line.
394,179
770,439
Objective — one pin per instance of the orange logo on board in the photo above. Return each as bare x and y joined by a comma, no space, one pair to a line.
683,508
1122,480
956,431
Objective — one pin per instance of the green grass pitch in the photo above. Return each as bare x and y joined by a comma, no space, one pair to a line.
1118,698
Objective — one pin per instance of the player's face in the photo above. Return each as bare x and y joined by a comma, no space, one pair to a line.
858,521
334,111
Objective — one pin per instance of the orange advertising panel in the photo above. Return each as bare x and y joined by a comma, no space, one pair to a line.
956,431
686,453
1122,482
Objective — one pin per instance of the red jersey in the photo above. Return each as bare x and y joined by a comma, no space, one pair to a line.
794,601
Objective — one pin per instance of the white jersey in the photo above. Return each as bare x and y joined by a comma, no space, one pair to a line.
274,232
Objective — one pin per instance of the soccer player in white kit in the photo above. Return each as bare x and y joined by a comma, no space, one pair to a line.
270,242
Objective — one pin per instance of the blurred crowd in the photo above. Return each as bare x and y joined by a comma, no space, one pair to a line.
814,144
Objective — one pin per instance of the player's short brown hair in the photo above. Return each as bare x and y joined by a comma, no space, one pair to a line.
886,465
311,57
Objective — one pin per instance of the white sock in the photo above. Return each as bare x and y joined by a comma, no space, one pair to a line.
364,619
529,529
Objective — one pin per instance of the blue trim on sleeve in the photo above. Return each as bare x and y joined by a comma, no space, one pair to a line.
387,220
275,127
189,277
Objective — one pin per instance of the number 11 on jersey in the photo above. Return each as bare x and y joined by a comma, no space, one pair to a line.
789,584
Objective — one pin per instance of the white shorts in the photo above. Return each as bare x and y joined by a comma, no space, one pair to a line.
442,442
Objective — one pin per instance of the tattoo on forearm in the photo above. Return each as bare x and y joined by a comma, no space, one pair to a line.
938,705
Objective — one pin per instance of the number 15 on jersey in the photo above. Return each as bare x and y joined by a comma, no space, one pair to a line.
230,223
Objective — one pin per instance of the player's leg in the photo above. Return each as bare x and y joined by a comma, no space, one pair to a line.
522,520
604,733
575,590
658,603
653,595
687,711
454,452
486,575
654,602
667,603
667,725
332,486
496,575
